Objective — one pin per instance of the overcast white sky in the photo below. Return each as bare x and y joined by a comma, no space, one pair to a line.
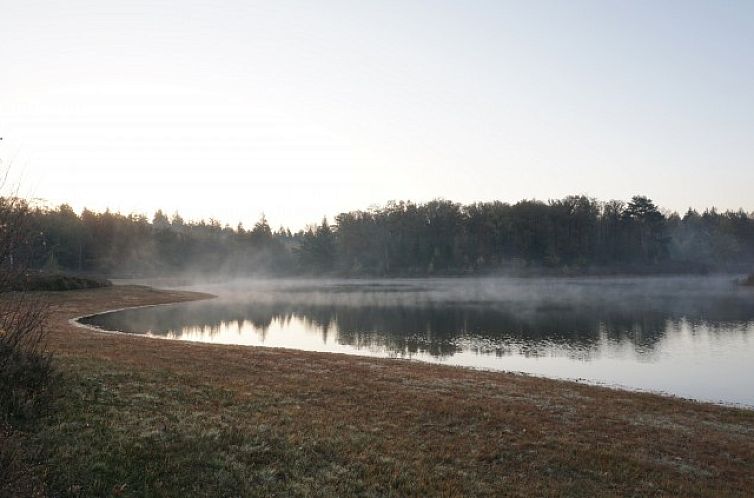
304,109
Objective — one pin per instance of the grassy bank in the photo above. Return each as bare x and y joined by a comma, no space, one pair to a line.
141,417
40,281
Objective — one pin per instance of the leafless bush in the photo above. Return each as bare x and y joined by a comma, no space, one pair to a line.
26,370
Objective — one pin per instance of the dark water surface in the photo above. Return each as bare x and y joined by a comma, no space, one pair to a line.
690,336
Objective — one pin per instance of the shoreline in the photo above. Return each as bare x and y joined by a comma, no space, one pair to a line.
223,419
76,321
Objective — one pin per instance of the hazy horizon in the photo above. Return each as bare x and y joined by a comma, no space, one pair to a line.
301,111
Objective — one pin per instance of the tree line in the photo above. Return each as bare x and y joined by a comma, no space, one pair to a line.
440,237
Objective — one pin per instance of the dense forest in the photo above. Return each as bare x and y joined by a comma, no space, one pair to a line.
572,235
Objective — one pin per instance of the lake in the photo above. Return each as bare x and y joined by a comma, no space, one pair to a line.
688,336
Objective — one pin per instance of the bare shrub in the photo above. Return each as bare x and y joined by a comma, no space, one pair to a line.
26,370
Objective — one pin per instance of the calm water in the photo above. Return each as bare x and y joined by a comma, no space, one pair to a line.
693,337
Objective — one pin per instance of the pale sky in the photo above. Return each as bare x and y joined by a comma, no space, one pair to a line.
304,109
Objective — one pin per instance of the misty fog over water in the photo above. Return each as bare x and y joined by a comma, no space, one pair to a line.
689,336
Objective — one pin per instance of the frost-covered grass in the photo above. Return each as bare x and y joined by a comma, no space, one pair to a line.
140,417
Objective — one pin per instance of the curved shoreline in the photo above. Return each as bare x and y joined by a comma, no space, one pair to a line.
350,425
200,296
76,321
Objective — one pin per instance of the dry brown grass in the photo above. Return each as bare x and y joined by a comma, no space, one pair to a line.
171,418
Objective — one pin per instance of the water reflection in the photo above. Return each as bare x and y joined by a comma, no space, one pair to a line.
488,323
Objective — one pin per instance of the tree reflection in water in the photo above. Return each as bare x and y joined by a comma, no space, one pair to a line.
571,317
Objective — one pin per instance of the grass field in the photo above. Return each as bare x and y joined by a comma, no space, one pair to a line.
144,417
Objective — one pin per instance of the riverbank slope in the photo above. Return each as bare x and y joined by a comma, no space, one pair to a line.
137,417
